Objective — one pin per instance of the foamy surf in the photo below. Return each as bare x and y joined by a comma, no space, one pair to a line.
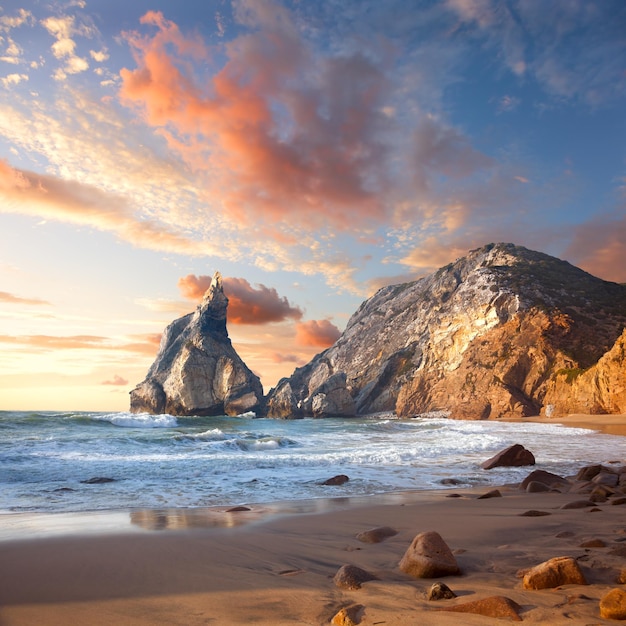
156,461
138,420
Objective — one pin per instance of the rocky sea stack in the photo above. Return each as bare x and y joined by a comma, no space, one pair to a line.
503,331
197,371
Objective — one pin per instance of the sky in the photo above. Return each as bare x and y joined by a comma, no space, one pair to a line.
312,151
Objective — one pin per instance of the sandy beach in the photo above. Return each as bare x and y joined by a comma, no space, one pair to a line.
217,567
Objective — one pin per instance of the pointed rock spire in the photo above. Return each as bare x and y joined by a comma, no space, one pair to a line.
211,314
197,371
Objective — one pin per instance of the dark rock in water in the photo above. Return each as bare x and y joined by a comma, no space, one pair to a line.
514,456
238,509
461,339
98,480
340,479
450,481
197,371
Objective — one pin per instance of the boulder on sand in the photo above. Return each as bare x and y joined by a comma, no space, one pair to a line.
429,556
547,478
561,570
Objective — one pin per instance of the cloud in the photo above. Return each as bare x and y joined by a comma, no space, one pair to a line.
319,333
444,151
246,305
7,22
48,197
572,48
62,29
279,357
508,103
599,247
434,253
9,298
146,344
116,381
100,56
281,133
51,342
12,52
276,139
10,80
142,344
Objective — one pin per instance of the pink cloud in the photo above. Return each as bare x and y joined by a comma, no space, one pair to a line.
50,342
117,381
318,333
277,138
246,305
48,197
143,344
599,247
9,298
279,357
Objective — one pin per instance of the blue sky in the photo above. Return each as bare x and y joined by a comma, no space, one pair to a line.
309,151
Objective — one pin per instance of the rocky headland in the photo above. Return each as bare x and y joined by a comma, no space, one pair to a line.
197,371
502,332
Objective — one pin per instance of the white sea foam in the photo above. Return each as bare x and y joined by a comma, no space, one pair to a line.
213,434
163,461
138,420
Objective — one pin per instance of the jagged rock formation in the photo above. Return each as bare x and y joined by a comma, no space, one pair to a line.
197,371
497,333
600,389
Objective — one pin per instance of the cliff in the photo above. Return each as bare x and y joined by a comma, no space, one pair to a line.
497,333
599,389
196,370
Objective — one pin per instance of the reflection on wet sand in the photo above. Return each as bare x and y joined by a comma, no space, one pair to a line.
15,526
219,517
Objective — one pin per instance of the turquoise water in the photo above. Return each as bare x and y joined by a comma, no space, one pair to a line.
163,461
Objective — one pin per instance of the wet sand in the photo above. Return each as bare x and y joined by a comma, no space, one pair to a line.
272,565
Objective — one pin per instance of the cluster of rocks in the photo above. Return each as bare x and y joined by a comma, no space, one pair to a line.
428,556
503,331
598,483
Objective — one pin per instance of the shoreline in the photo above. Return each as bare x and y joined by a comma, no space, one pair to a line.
608,424
17,525
275,563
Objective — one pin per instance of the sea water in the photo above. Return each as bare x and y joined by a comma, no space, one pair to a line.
47,459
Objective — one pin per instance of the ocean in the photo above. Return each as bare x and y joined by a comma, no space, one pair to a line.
48,460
